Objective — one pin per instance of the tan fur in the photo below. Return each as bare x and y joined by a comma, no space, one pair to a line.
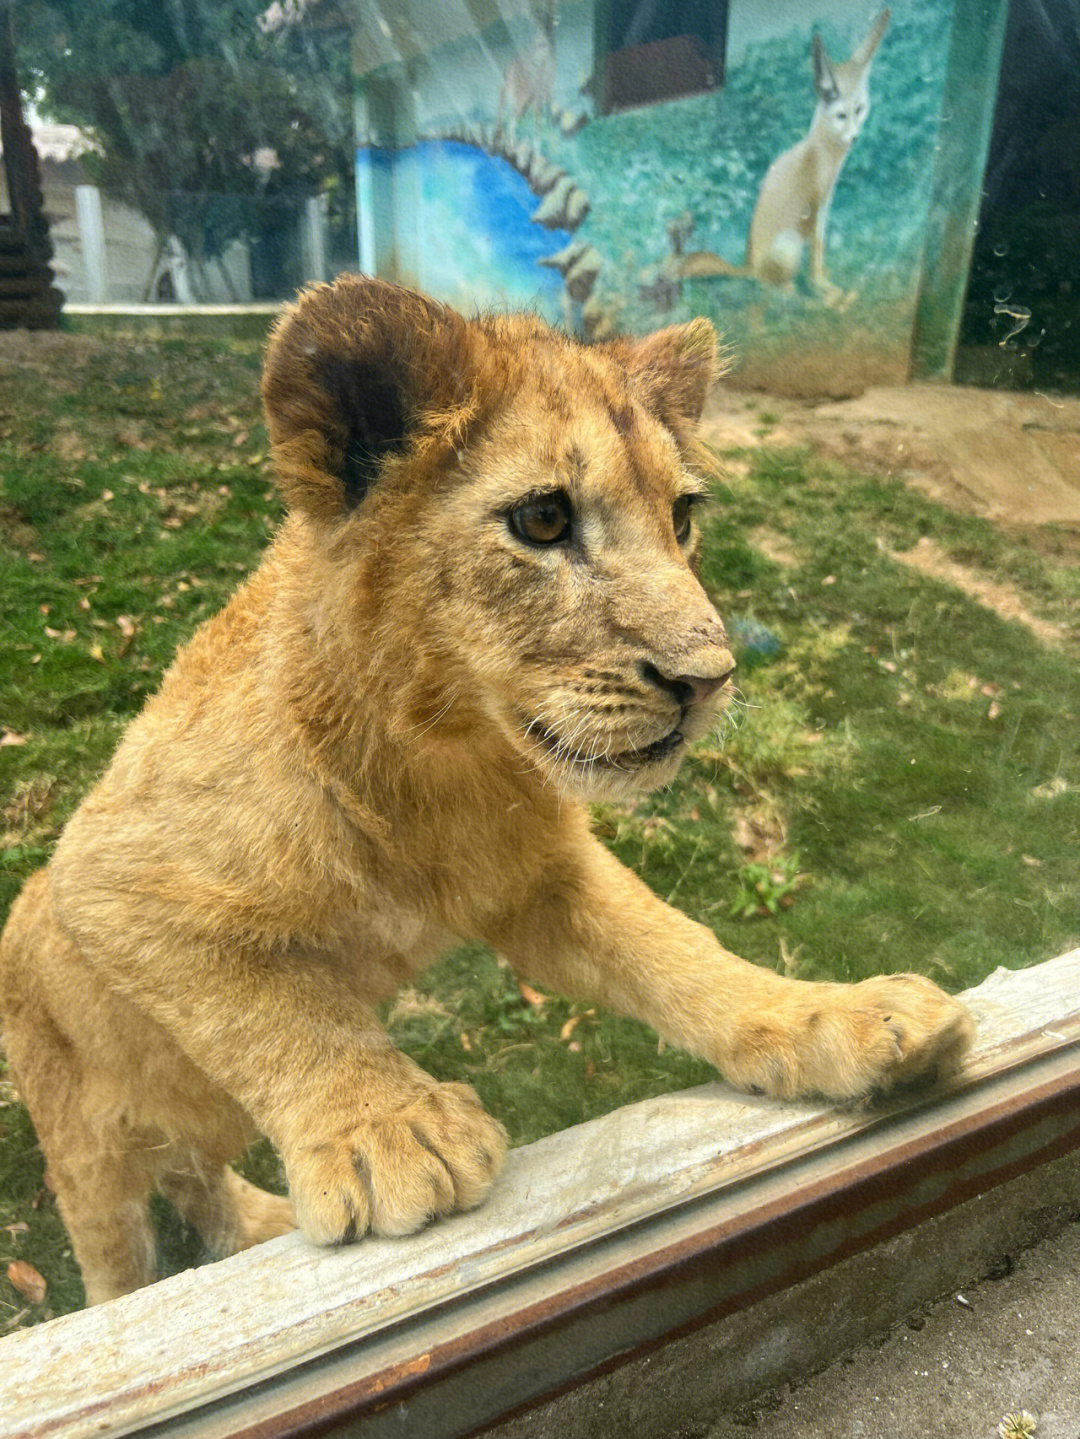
377,749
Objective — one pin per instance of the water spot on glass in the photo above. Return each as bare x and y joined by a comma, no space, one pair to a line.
1001,249
1019,314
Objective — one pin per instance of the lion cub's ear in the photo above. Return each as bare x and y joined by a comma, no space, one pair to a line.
673,369
356,372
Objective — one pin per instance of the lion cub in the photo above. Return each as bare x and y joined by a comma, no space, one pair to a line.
480,614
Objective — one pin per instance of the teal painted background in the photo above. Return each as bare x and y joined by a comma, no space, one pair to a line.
695,165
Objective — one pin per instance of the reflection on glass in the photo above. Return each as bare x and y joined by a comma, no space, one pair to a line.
852,195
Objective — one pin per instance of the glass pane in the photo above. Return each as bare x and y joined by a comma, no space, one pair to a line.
874,209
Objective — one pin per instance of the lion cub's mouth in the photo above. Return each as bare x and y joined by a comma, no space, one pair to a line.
588,757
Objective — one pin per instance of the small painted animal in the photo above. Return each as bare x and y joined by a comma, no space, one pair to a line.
793,202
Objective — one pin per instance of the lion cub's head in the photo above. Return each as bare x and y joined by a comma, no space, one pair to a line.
514,512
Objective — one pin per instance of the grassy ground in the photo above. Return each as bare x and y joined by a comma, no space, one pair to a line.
903,790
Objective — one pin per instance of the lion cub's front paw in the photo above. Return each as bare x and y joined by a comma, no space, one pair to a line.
929,1030
845,1041
396,1171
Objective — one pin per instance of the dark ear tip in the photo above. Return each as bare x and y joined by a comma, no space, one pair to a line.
349,369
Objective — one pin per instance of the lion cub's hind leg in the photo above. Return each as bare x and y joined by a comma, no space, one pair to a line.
102,1182
104,1201
119,1111
102,1186
229,1213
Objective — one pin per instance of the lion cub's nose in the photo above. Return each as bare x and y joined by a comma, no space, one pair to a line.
686,690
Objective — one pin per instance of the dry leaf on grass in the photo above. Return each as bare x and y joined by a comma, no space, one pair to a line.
573,1022
25,1278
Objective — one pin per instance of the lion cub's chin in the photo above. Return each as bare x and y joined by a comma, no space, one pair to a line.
597,780
592,772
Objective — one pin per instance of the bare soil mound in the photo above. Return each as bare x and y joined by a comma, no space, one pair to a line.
1013,458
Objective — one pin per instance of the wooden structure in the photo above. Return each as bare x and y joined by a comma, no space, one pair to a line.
27,295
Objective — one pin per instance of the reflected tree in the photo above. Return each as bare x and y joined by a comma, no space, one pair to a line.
214,126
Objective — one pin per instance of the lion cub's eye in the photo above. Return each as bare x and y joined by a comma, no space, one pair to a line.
542,519
681,511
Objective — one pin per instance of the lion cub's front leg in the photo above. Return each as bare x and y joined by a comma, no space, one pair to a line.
599,932
844,1041
368,1139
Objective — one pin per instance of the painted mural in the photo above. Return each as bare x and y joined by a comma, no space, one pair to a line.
792,206
787,201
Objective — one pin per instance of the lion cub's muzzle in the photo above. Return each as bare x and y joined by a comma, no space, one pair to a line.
697,696
659,710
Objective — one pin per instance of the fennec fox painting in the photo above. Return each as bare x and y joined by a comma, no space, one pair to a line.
793,202
480,614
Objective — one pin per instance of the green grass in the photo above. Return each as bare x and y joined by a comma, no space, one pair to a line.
902,790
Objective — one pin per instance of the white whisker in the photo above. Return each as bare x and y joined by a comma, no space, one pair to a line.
415,731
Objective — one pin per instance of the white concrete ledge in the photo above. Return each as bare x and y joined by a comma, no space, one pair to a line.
705,1198
251,307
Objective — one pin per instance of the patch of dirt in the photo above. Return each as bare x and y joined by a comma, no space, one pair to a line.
930,559
15,529
32,801
758,831
67,445
410,1005
773,546
1014,458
